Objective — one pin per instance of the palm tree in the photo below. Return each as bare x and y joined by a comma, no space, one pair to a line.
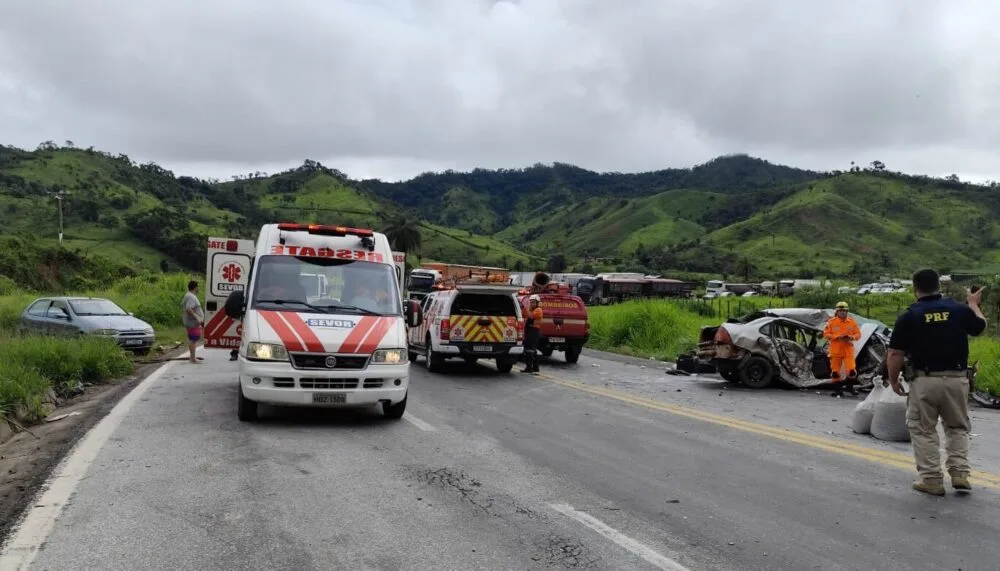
403,233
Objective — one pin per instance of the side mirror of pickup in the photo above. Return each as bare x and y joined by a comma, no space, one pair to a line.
412,312
234,307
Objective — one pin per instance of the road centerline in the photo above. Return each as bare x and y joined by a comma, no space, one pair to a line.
883,457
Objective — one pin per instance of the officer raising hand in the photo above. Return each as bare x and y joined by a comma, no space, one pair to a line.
932,334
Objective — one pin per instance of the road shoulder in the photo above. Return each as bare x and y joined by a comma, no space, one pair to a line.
29,457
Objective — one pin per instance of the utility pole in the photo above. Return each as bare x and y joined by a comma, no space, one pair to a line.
60,195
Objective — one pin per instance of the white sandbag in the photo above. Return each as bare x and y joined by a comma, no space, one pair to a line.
889,421
861,423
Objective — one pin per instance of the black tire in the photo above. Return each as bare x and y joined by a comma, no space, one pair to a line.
573,354
246,409
434,361
412,355
505,364
395,411
728,373
757,373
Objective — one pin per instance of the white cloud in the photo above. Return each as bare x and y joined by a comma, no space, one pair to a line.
380,88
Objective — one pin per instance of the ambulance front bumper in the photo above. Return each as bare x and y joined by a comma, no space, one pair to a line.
278,383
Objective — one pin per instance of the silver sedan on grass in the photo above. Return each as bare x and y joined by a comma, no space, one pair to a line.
68,316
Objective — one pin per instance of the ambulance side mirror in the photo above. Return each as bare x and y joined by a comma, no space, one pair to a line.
234,305
411,311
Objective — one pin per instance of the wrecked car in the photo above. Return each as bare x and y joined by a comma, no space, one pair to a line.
787,345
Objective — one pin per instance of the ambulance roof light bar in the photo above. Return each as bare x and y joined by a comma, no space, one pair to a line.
325,230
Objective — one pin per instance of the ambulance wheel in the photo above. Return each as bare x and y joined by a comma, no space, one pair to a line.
757,373
505,364
434,361
246,409
573,354
395,411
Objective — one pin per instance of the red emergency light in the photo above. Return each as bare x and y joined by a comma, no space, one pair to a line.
324,230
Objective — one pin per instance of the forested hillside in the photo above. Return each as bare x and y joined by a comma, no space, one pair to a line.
732,215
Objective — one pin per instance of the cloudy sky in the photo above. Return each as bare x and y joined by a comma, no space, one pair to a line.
391,88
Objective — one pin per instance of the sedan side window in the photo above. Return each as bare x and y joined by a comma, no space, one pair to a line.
58,311
39,308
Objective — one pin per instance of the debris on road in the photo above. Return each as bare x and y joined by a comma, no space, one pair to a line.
62,416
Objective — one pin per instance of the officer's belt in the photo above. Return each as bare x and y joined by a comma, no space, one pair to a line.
954,373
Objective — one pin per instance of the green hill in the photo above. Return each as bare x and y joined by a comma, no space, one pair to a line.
732,215
854,223
142,216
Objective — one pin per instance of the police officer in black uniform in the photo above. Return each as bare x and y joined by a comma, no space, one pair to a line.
931,336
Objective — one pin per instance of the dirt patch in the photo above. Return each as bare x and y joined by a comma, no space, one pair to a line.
28,458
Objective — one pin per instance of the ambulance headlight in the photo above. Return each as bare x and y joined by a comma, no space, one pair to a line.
266,352
389,356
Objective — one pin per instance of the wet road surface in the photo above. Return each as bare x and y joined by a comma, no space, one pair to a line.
601,465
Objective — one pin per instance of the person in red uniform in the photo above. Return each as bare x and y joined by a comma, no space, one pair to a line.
842,331
532,332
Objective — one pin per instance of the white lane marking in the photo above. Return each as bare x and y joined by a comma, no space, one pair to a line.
643,551
23,547
418,423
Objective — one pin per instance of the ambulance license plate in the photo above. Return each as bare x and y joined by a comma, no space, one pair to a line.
482,348
557,339
329,398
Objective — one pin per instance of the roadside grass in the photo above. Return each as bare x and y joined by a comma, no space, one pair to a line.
665,329
646,328
31,366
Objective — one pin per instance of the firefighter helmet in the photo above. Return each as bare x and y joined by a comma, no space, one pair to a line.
842,305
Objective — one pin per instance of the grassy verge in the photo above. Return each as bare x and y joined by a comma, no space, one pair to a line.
664,329
33,368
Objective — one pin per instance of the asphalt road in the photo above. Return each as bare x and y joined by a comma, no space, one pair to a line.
490,471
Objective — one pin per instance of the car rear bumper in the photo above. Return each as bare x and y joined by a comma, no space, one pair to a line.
281,384
556,340
464,349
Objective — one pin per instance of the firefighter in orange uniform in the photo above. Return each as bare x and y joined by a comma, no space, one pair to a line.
532,331
842,331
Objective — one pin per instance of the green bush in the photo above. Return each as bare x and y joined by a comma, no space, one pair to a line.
657,329
30,365
987,351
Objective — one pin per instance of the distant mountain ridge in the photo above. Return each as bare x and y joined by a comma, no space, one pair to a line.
733,215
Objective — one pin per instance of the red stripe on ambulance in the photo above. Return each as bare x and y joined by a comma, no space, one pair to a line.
376,335
357,335
312,342
288,338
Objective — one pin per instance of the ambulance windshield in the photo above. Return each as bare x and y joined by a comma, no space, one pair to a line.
325,285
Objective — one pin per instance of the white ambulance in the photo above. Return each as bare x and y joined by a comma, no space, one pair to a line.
323,319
